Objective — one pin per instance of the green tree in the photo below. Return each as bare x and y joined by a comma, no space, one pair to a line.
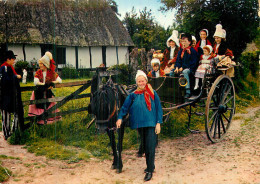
144,31
238,18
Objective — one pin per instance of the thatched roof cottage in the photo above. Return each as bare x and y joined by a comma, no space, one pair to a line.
82,33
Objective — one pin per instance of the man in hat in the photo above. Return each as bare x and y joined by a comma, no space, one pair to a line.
10,98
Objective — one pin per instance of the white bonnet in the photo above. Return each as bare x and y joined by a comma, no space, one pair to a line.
207,32
154,61
140,73
173,37
220,32
193,38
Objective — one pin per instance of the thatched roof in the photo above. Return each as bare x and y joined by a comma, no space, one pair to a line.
69,23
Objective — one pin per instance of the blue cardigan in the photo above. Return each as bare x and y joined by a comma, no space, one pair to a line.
140,116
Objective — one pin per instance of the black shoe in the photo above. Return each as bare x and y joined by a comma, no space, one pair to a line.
145,170
140,154
148,176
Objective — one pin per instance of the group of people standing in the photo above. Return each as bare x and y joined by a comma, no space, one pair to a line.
184,55
10,92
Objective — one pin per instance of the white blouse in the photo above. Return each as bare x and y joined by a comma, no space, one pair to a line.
203,43
172,52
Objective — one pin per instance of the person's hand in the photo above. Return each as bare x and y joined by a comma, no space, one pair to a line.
50,87
180,69
19,76
41,83
176,70
158,128
118,123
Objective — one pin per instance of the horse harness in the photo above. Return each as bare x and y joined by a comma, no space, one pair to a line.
116,103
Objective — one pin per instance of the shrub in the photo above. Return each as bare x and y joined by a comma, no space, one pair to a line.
69,72
126,75
20,65
247,75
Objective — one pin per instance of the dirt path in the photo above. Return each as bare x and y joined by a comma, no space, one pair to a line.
191,160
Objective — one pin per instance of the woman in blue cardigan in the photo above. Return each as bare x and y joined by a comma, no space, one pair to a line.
145,110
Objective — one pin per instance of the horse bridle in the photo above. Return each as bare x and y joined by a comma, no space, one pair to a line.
111,84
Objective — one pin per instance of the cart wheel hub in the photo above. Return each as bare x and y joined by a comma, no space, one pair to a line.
222,109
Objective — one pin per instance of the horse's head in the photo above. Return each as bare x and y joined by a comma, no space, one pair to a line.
104,106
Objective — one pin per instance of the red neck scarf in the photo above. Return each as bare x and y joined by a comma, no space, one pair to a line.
148,92
185,49
6,64
50,76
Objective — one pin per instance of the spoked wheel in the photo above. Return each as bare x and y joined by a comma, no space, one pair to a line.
220,108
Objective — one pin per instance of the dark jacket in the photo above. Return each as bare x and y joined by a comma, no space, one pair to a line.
189,61
10,90
222,50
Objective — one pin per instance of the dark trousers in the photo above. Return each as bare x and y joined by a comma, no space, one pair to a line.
149,140
141,139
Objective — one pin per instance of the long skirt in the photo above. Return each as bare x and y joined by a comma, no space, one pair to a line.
34,111
200,72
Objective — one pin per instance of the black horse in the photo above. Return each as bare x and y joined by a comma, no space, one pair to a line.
106,101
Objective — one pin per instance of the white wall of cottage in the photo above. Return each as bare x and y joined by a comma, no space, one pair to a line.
96,53
70,56
34,53
83,57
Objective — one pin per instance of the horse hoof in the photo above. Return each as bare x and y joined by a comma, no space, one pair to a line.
118,170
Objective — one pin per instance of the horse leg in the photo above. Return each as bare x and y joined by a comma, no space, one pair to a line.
111,136
119,147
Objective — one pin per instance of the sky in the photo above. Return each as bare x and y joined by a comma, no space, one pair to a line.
164,19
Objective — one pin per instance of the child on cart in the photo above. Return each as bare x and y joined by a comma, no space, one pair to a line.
204,63
156,71
186,62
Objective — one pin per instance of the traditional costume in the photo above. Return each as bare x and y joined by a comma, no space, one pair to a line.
170,53
205,62
221,49
47,78
10,97
202,43
159,73
145,112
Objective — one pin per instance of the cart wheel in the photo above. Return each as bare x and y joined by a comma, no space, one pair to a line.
220,107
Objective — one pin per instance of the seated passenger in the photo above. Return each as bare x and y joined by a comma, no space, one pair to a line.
205,62
186,61
220,48
171,52
156,71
